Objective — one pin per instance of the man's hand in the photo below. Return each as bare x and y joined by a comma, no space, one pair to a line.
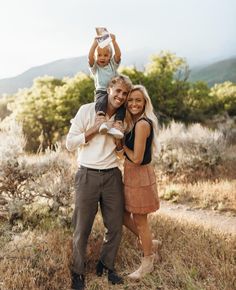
91,132
99,120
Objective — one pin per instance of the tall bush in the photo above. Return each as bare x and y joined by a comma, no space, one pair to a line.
189,148
25,178
46,108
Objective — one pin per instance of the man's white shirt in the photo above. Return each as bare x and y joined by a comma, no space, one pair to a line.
99,152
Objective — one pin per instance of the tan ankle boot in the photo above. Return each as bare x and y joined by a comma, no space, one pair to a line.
145,268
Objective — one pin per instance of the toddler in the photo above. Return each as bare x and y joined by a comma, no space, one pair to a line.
104,67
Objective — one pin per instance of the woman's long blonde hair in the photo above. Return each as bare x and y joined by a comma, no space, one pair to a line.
149,113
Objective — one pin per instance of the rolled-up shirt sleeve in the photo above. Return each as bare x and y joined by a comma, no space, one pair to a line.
76,135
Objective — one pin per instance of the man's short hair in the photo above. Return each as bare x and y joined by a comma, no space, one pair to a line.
122,79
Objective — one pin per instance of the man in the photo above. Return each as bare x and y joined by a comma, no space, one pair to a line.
98,180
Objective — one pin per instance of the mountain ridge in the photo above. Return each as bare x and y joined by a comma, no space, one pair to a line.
211,73
218,72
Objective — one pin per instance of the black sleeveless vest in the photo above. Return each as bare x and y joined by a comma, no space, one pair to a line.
129,142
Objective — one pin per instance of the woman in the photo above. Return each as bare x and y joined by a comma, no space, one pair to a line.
141,196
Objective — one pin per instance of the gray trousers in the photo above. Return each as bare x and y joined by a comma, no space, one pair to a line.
91,188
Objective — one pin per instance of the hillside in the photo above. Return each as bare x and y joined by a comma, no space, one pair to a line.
218,72
66,67
60,68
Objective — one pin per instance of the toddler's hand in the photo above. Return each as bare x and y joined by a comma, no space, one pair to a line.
113,37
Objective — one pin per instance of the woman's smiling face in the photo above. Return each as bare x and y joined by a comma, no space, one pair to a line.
136,103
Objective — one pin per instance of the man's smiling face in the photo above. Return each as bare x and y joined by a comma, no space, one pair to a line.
117,94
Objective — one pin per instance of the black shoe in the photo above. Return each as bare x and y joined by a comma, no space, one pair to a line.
77,281
114,278
99,268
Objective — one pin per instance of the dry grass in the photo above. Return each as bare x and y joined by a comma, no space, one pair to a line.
213,194
191,259
211,189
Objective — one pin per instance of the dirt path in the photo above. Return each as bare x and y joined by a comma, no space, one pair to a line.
206,218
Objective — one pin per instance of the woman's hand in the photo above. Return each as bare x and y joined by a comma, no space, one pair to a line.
119,144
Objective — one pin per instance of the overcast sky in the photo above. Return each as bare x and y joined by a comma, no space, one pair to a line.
36,32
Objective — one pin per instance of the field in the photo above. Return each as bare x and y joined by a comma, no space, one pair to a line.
37,202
